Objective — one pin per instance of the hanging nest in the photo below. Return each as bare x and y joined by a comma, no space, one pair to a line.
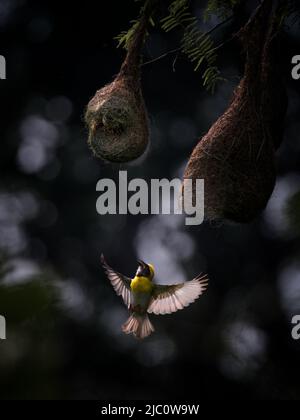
236,158
116,116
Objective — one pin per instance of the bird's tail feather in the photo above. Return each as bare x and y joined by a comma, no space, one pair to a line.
138,325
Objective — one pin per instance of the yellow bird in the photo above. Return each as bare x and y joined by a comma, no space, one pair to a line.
142,296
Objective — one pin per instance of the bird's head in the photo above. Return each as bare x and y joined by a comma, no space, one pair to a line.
145,270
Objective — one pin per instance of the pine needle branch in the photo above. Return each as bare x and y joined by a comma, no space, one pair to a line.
125,38
179,49
198,46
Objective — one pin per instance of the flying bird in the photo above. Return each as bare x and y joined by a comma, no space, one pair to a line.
142,296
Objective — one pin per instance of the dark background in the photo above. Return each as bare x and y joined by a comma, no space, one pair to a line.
63,318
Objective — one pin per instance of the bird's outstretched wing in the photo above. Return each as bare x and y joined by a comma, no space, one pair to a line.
120,283
169,299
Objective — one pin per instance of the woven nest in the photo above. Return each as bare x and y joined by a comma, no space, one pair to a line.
236,158
118,124
116,116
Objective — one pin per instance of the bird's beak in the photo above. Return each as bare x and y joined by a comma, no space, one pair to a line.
142,264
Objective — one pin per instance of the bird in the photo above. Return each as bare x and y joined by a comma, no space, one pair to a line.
143,296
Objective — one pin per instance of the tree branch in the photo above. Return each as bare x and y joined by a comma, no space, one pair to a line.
177,50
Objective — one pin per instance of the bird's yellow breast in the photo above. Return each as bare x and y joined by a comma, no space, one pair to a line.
141,285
